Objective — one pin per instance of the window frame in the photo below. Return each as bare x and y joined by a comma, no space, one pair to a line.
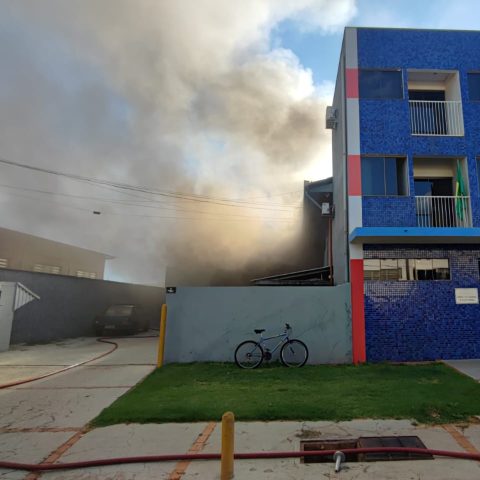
392,69
405,172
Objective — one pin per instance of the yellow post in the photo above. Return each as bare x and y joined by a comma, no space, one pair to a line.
228,426
161,336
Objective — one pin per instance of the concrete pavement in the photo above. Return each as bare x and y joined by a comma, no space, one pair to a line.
46,421
469,367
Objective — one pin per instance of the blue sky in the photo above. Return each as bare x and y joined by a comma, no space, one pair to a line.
320,51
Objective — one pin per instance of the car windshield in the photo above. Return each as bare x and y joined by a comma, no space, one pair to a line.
119,310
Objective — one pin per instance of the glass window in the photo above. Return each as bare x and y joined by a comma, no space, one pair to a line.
396,269
372,176
441,270
380,84
371,269
423,269
474,86
478,174
385,269
383,176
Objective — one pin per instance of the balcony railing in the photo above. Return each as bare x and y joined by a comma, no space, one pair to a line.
443,212
436,117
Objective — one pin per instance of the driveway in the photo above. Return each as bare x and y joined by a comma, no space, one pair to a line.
37,419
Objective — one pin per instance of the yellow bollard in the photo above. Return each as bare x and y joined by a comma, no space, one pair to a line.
161,336
228,427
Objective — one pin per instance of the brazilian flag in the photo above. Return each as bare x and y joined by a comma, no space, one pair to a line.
460,193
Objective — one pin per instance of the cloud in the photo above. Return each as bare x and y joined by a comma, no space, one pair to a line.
184,96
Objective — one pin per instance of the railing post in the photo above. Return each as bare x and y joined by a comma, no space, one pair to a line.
161,336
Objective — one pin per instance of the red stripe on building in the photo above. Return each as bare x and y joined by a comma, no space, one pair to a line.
352,82
358,312
354,175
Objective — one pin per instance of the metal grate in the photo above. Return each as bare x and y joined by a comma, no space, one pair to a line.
365,442
397,442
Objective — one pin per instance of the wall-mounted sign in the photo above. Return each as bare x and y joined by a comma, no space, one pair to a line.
171,289
466,295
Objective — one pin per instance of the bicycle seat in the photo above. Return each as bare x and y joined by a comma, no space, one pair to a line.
259,330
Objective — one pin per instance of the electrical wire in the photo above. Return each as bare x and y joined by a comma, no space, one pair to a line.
127,203
163,193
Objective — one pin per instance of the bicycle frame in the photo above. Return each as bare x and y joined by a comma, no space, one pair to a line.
263,341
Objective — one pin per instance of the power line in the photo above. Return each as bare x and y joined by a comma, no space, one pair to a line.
136,188
131,204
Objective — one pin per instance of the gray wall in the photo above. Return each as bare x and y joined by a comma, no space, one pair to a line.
68,305
340,247
207,323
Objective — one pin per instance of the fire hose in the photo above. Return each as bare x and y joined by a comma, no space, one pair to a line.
239,456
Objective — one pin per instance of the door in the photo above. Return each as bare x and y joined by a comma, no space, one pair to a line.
431,211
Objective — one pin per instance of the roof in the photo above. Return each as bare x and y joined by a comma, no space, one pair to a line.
324,185
312,276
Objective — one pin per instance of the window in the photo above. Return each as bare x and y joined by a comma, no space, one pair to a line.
82,274
3,263
478,174
384,176
380,84
396,269
46,269
474,86
385,269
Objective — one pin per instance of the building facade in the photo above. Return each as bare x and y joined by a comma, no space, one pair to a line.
20,251
406,165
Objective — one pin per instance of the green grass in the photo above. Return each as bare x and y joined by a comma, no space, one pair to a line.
431,393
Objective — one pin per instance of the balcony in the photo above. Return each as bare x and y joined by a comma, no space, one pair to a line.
436,118
443,211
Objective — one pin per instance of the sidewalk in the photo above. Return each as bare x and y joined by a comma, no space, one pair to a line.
46,421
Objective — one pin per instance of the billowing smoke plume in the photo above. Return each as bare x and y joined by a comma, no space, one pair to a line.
187,96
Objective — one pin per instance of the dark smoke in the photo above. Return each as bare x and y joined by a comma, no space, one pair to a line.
185,96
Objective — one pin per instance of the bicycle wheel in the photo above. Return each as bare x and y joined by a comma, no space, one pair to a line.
294,353
249,354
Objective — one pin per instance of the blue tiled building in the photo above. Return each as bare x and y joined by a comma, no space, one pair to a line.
406,166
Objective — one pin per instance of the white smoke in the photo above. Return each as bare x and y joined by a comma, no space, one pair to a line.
184,95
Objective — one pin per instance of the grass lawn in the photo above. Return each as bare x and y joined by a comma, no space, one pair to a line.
431,393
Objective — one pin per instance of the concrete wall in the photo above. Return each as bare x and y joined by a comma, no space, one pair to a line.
68,305
21,251
207,323
340,247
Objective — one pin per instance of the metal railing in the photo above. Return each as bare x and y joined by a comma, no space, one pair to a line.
428,117
443,211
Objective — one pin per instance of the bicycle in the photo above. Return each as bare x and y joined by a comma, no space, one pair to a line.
250,354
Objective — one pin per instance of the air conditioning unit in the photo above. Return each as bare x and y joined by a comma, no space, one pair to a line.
331,118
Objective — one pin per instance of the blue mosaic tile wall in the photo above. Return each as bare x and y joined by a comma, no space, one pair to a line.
389,212
385,124
419,320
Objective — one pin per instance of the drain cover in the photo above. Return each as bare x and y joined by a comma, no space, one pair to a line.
401,442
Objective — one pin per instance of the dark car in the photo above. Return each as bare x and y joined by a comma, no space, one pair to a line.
124,318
